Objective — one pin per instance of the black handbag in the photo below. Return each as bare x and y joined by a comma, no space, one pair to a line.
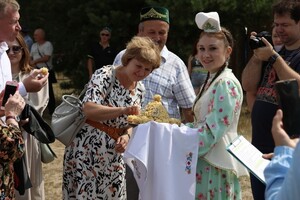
36,125
43,133
52,76
21,177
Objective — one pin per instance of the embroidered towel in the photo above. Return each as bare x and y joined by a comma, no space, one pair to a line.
163,158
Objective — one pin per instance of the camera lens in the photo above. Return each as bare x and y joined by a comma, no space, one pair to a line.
255,43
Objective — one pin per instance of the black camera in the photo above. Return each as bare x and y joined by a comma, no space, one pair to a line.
256,42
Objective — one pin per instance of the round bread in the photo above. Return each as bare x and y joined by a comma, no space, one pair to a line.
44,71
154,111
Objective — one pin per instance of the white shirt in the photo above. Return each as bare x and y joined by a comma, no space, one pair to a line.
40,50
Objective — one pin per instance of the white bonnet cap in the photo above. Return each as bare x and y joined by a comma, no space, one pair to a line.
209,22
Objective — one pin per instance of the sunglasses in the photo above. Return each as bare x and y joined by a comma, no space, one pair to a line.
104,34
16,49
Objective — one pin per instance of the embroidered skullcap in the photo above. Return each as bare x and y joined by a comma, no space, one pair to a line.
154,13
209,22
106,28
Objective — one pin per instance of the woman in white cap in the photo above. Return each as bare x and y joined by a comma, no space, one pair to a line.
216,114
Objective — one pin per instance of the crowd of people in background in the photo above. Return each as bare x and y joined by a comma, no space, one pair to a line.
204,93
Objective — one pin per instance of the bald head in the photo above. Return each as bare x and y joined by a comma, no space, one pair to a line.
39,35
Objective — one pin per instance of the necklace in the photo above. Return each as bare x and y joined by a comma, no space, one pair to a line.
15,77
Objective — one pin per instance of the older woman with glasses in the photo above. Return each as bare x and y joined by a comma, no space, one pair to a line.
19,56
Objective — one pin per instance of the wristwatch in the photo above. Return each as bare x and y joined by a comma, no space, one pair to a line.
17,118
273,59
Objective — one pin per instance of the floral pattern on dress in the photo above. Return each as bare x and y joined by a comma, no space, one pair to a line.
92,167
11,148
220,104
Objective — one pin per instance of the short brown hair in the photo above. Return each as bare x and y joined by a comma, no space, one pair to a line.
144,50
287,7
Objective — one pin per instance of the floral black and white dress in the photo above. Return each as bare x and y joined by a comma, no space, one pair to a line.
92,167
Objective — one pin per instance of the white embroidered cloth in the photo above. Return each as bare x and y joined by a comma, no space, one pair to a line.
163,158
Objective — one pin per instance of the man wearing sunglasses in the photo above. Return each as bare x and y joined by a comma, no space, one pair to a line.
10,27
101,53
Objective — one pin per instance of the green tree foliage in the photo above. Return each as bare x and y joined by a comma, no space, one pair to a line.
71,25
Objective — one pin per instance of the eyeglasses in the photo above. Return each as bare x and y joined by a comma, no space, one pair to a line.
104,34
16,49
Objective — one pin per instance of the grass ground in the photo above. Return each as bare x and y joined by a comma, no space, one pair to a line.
53,171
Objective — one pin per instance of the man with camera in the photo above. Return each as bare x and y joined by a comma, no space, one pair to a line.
254,43
280,66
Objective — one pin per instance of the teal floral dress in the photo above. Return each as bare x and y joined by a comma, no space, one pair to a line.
11,148
216,113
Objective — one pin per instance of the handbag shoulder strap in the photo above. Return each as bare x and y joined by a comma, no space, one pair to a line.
113,78
41,55
112,83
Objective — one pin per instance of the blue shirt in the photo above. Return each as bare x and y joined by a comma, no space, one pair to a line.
283,174
171,81
28,41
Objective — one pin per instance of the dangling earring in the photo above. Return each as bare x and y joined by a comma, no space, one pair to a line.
227,62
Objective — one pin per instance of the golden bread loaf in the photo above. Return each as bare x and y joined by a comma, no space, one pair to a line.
154,111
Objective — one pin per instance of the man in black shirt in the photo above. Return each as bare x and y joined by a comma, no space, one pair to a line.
101,53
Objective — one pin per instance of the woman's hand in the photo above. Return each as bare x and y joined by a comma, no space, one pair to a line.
132,110
14,105
121,143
